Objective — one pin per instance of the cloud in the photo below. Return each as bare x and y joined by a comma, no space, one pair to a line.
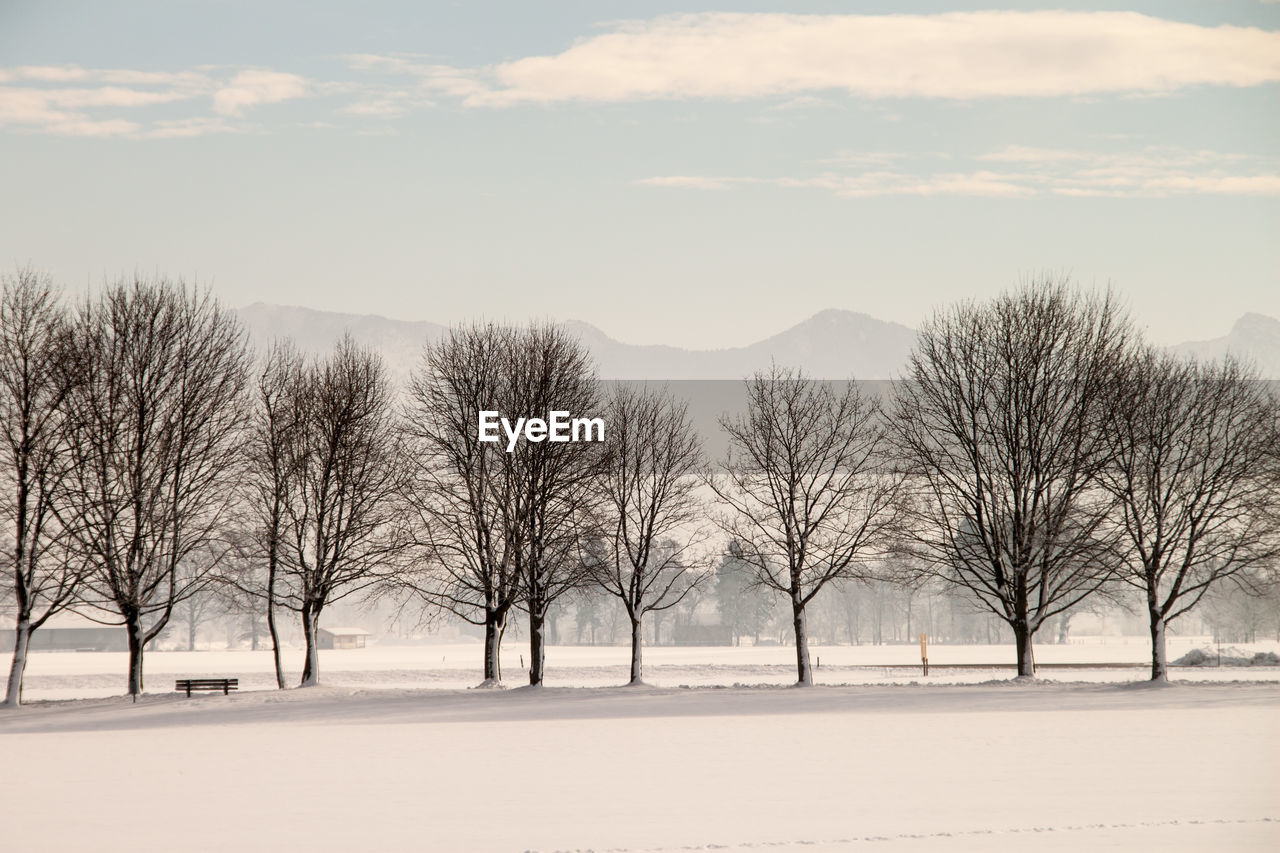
111,96
383,107
64,99
1156,172
847,157
866,184
37,110
254,87
694,182
978,183
51,73
185,128
1029,154
69,100
430,79
960,55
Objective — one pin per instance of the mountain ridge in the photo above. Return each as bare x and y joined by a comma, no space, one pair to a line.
832,344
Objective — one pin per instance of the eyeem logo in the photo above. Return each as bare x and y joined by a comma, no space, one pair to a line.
560,428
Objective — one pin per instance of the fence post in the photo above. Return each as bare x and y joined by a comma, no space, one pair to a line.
924,653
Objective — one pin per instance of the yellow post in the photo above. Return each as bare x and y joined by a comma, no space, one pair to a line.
924,653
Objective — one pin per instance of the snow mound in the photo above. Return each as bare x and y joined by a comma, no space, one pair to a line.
1230,656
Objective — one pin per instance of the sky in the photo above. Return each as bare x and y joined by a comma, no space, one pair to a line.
695,174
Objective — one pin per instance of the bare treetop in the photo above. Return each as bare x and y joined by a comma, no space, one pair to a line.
34,383
651,515
810,491
1194,475
154,424
1001,426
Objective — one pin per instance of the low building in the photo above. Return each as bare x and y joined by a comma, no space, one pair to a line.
68,632
342,638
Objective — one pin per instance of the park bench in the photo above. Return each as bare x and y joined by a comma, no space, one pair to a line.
226,685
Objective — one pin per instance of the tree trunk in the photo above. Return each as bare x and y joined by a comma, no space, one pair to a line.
1159,660
537,647
271,617
1022,638
191,634
21,641
803,669
133,625
275,643
637,646
492,648
1022,630
311,667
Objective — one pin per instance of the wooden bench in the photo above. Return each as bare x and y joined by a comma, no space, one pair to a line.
226,685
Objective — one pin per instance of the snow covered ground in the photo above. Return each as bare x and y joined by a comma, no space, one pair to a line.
392,754
71,675
994,767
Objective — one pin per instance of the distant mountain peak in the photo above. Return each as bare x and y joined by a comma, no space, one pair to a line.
1253,323
1254,336
831,344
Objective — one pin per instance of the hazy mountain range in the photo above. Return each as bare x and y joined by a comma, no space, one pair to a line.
1254,336
831,344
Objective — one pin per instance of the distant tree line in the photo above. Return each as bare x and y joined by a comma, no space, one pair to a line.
1036,456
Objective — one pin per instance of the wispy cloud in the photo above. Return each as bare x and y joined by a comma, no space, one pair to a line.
427,81
256,86
41,110
1025,172
697,182
69,100
862,185
959,55
184,128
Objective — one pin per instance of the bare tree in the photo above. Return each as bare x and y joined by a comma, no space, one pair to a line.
503,523
651,507
1000,423
342,518
463,489
274,456
153,422
556,494
33,385
811,495
1193,473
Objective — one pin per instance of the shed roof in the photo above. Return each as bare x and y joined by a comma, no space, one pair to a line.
347,632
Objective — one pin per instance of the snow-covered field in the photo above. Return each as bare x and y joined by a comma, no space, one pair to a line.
995,767
71,675
391,754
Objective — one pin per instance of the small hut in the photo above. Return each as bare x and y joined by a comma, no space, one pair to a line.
342,638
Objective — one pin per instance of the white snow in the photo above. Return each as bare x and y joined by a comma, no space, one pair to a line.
1002,766
994,766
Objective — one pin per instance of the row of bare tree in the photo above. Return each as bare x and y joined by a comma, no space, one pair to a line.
1036,453
119,416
